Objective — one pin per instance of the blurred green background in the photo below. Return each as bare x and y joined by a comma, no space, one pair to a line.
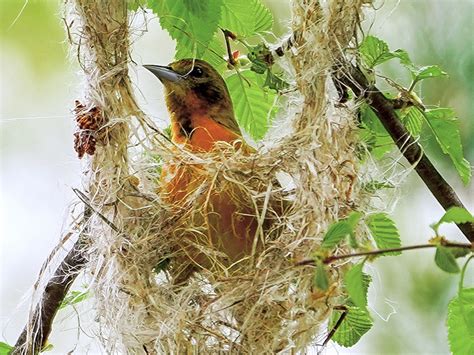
38,165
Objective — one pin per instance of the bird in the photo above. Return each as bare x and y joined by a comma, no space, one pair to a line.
202,115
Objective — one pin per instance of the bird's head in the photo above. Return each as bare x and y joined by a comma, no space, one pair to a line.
194,83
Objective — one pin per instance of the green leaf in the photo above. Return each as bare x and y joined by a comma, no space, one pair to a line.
321,279
238,16
5,348
446,260
444,126
254,107
336,232
456,215
430,71
263,18
374,133
460,323
339,230
413,120
357,285
384,232
74,297
214,53
374,51
356,323
192,23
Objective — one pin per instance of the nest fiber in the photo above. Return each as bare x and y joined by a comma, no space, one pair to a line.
160,283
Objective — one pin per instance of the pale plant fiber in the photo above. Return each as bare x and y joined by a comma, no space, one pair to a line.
263,303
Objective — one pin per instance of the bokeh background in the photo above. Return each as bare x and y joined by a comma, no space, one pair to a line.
38,166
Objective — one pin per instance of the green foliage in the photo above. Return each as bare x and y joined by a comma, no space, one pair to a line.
357,285
442,121
191,23
460,323
454,215
384,232
356,323
445,128
374,51
321,279
339,230
5,348
254,107
446,260
413,120
245,18
373,133
74,297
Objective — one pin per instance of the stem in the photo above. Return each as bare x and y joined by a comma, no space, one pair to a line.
412,151
336,327
332,258
227,35
35,334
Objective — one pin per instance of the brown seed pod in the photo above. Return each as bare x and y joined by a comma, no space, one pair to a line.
89,123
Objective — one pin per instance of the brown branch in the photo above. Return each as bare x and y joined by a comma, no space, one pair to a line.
337,325
412,151
35,334
332,258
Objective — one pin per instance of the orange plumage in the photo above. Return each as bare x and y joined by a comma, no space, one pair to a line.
202,114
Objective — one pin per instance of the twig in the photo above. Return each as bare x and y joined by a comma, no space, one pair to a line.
228,34
35,334
385,111
332,258
337,325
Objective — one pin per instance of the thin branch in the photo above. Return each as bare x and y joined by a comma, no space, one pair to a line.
336,326
228,34
332,258
35,334
385,111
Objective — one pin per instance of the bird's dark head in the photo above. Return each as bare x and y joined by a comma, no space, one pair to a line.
192,82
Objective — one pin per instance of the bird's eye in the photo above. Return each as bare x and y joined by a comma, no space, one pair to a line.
197,72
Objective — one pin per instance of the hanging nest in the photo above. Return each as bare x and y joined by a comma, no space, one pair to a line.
160,279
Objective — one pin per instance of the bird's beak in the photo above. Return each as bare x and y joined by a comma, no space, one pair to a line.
164,73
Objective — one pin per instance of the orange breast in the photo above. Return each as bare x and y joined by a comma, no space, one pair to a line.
227,220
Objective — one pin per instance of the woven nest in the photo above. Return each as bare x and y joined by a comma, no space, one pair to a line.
140,244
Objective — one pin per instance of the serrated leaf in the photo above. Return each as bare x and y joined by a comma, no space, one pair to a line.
430,71
384,232
192,23
413,120
336,232
446,260
238,16
374,133
456,215
444,126
404,58
357,285
321,279
374,51
460,323
263,18
214,53
356,323
5,348
73,297
254,107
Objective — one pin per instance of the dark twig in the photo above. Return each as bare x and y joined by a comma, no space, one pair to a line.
228,34
332,258
34,336
385,111
337,325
